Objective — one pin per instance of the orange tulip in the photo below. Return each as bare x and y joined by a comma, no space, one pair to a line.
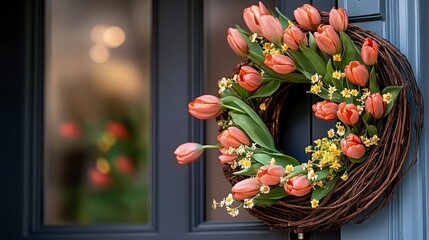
293,36
226,157
308,17
188,152
271,28
375,105
357,73
270,174
338,19
118,129
251,16
237,42
246,188
249,78
327,40
352,146
280,63
69,129
124,164
369,52
233,137
98,178
205,107
326,110
348,113
298,185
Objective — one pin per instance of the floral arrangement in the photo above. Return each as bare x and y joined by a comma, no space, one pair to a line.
284,51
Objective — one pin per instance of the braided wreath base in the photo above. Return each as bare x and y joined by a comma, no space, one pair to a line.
371,183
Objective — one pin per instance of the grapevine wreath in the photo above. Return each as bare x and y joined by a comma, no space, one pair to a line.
363,82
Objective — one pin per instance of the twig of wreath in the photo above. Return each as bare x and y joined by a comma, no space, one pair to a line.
363,81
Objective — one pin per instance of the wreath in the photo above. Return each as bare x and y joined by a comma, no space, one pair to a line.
362,81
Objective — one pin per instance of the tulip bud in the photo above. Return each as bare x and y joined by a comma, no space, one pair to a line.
308,17
326,110
251,17
357,73
69,129
205,107
237,42
226,157
188,152
270,174
118,129
352,146
293,36
246,188
338,19
348,113
298,185
233,137
375,105
271,28
98,178
369,52
327,40
280,63
249,78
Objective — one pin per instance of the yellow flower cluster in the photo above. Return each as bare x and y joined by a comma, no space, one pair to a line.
270,48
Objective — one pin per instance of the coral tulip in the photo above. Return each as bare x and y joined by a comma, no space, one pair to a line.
188,152
124,164
369,52
246,188
352,146
98,178
118,129
357,73
348,113
339,19
270,174
375,105
225,156
205,107
271,28
326,110
249,78
308,17
251,16
298,185
327,40
280,63
237,42
293,36
233,137
69,129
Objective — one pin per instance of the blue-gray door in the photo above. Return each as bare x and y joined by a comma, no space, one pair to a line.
180,63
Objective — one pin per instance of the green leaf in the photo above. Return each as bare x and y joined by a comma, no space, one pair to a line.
394,91
328,76
283,19
321,192
241,92
350,51
281,159
298,169
322,174
251,171
275,194
259,134
253,46
266,89
315,59
373,84
366,118
300,59
312,42
372,130
336,97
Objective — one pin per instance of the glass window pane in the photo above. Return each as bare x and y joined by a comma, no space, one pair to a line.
220,60
97,112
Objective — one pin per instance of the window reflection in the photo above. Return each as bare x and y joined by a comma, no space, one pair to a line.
97,110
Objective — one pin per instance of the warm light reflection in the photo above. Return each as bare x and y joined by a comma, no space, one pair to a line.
113,37
97,33
99,53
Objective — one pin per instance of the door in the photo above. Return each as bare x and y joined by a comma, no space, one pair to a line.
184,60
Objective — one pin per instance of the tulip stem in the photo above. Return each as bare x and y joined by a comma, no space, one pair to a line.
211,146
